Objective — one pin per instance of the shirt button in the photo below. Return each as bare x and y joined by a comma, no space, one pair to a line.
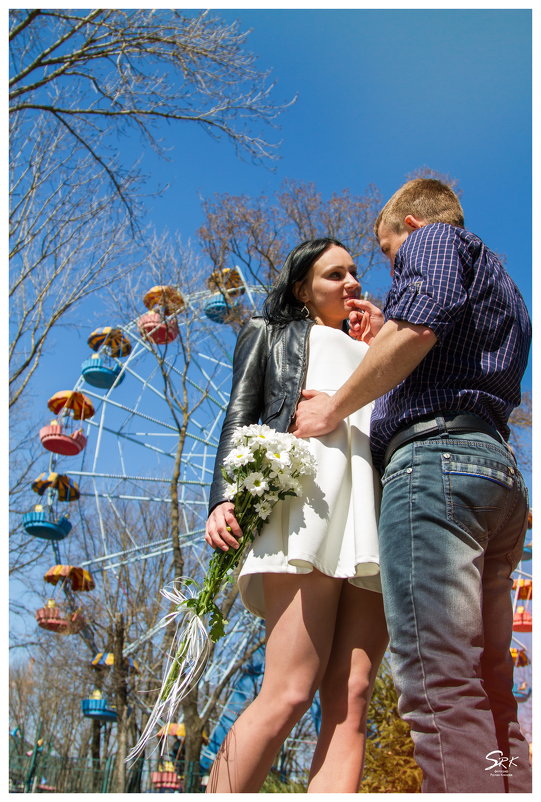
409,470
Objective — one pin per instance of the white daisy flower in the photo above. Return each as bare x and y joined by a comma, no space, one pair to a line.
264,508
256,432
278,459
256,483
239,456
230,491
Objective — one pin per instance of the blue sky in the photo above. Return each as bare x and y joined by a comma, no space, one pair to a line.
381,93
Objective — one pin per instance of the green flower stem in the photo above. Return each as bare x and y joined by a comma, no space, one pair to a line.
174,671
223,563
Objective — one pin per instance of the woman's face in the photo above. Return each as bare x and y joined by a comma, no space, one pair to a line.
329,283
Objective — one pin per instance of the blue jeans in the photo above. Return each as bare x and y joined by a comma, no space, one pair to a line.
453,519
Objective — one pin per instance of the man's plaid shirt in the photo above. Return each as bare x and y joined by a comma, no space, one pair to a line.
447,279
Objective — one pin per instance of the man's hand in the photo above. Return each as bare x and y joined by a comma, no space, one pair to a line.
222,528
315,415
365,320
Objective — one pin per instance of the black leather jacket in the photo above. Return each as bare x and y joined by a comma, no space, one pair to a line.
269,368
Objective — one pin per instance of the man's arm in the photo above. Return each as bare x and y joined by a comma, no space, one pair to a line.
395,352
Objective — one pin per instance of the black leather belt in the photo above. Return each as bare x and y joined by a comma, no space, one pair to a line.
440,425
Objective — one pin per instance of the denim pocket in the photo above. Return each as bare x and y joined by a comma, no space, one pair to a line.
400,466
394,475
478,492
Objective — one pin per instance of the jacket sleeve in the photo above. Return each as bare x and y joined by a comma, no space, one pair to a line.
247,395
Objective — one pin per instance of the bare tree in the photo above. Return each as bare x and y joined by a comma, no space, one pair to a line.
125,608
46,692
257,233
78,81
67,241
428,172
140,66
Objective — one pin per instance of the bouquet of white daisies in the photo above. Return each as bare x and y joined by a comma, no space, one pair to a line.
263,467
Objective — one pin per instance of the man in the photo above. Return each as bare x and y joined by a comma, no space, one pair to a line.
445,368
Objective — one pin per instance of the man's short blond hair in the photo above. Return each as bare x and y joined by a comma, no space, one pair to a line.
426,199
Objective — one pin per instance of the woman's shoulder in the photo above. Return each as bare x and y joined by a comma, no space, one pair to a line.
255,326
255,322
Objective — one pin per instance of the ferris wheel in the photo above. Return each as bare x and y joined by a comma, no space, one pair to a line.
115,434
149,404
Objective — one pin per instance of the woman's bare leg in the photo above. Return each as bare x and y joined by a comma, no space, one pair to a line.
301,614
359,643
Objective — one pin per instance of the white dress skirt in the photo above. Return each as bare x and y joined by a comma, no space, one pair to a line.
332,526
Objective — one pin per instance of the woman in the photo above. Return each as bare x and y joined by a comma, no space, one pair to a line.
313,572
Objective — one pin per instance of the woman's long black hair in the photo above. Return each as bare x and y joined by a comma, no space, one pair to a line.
281,306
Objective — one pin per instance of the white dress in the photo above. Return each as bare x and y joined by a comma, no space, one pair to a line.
333,525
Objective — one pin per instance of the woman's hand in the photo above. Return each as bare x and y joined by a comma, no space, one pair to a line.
365,320
222,529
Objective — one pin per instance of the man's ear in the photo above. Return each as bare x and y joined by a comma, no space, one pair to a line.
413,222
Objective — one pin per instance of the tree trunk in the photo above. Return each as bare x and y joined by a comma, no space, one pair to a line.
178,559
96,739
174,517
121,701
192,744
